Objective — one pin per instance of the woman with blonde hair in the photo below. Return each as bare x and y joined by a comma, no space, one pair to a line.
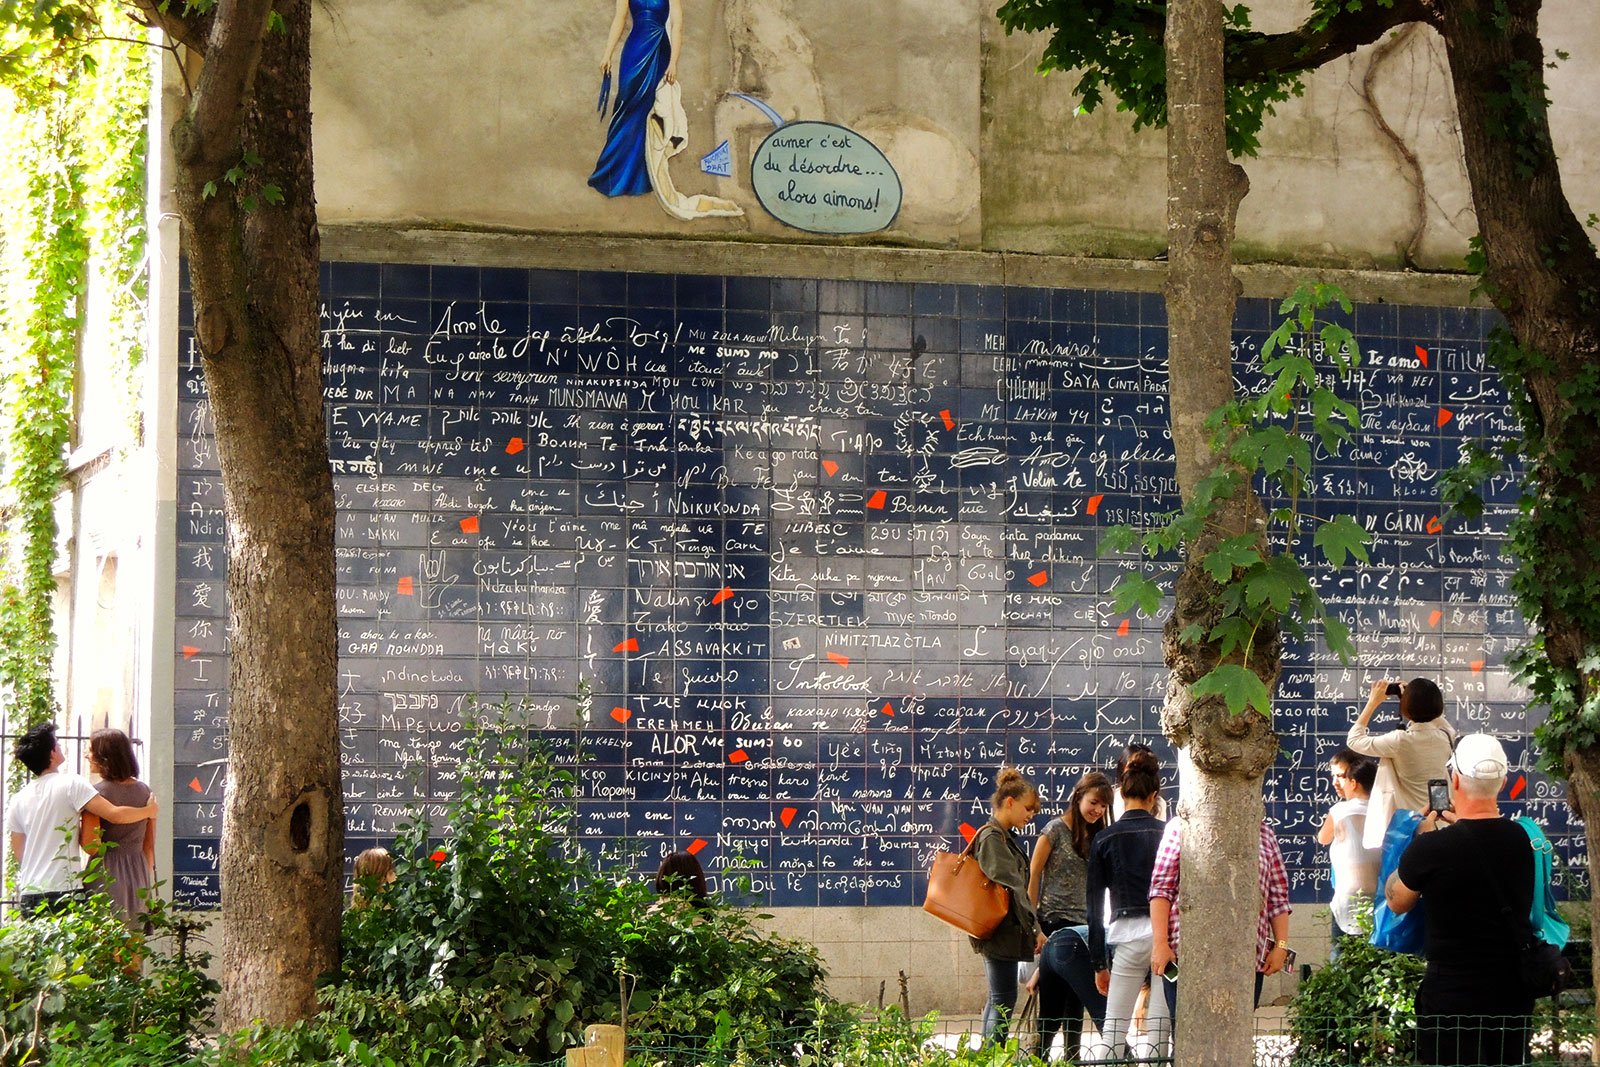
1000,856
374,870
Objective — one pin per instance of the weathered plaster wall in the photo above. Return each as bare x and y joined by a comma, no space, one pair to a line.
475,116
1364,170
471,115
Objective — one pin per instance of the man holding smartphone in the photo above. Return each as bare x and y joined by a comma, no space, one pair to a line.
1408,758
1472,1007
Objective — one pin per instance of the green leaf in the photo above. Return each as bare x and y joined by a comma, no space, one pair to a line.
1276,585
1135,590
1337,636
1117,539
1341,538
1234,553
1238,686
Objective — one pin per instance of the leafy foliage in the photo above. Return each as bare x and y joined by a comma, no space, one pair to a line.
72,112
1116,46
69,997
500,938
1271,437
1357,1009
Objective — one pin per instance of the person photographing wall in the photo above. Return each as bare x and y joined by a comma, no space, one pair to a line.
1476,871
1407,758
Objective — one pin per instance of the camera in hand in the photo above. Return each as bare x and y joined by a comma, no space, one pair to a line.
1394,689
1438,795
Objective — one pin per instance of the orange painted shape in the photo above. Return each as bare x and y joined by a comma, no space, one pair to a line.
1039,577
1445,415
621,714
514,446
194,783
888,709
1435,524
1521,784
839,658
878,499
1434,617
405,586
630,645
831,467
1094,502
722,594
949,423
1422,354
1476,665
968,832
695,846
1122,631
438,856
786,816
469,524
738,755
190,651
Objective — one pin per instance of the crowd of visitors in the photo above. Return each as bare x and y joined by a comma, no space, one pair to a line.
1100,902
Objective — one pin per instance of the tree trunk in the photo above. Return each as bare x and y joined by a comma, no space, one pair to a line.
1225,755
1543,275
254,271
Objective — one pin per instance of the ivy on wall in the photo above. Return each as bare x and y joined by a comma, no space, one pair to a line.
73,115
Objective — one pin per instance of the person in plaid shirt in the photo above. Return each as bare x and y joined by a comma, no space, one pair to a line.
1272,925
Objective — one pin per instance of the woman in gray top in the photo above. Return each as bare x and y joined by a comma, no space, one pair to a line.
1059,889
1018,938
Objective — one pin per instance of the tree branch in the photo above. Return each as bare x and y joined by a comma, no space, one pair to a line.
232,52
188,31
1320,39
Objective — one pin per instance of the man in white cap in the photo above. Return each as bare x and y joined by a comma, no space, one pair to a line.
1476,874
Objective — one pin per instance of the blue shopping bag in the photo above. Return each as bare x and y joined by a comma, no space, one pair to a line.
1397,933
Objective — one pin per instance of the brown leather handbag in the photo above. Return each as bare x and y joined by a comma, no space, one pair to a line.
960,894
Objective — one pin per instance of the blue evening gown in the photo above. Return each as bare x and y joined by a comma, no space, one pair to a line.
620,170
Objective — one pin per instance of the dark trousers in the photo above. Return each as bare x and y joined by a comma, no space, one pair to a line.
1066,989
1471,1029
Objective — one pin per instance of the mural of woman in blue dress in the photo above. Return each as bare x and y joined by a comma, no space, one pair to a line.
648,58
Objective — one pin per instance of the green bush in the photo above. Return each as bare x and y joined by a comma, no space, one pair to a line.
500,939
1357,1009
71,990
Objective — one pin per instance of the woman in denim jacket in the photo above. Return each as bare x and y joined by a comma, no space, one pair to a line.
1018,938
1120,863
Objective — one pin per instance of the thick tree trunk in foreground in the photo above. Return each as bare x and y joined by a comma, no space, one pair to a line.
1544,277
1226,755
254,276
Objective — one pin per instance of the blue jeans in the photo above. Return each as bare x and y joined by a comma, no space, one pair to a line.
1002,998
1066,990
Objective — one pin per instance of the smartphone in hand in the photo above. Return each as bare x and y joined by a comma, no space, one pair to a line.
1394,689
1438,795
1170,972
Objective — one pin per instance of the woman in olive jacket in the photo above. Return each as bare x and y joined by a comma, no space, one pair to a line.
1018,938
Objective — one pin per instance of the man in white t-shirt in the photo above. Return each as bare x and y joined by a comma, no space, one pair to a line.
1355,867
43,821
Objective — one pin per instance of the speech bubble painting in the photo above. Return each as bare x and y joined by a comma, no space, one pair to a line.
824,178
